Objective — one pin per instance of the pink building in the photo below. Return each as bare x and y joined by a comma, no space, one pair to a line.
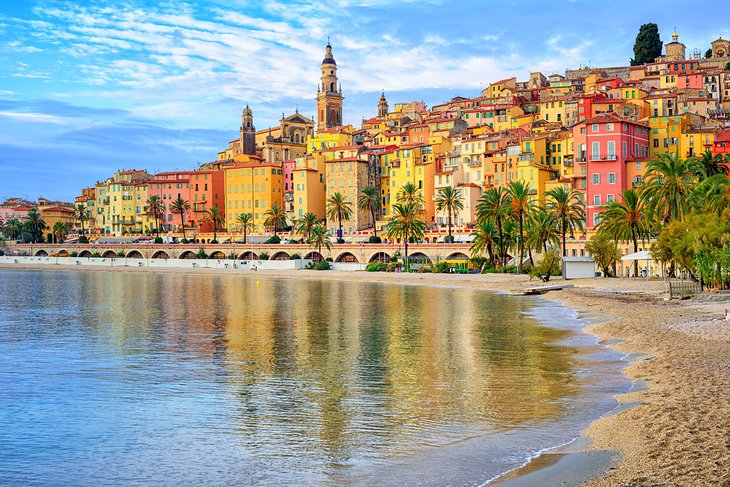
610,141
690,80
15,208
288,173
170,186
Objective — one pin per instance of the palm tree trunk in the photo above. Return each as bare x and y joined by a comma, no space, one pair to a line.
375,228
339,218
182,219
565,251
502,253
522,247
449,222
406,242
636,248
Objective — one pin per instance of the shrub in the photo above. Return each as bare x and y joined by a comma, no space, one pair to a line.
526,268
310,266
201,254
449,239
478,262
273,240
441,267
83,239
376,267
489,269
231,256
424,269
295,257
329,259
392,266
263,256
74,254
95,255
214,241
323,266
340,240
604,252
547,267
374,240
158,240
121,255
185,240
2,252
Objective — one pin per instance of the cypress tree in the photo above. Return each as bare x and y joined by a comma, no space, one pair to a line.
648,45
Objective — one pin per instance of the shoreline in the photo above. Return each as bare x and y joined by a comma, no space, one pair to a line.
671,432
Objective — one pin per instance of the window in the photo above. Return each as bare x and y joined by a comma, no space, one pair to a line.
597,200
596,219
594,127
595,150
595,178
612,178
609,199
609,127
638,165
611,149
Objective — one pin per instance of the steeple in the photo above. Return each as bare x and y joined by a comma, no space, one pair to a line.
382,106
329,93
247,141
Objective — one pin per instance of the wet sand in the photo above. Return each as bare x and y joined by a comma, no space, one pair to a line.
677,431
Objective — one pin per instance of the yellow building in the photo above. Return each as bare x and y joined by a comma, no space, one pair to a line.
54,213
309,185
252,188
413,164
121,203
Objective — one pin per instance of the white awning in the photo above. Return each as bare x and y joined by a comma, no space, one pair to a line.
643,255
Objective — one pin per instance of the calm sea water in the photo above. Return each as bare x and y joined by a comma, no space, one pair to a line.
155,379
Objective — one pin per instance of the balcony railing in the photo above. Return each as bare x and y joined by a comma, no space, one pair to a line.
526,157
603,157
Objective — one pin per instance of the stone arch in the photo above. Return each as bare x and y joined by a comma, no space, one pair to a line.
315,256
458,256
281,255
41,253
249,255
134,254
347,257
83,253
420,258
217,255
380,257
188,254
64,253
109,254
161,254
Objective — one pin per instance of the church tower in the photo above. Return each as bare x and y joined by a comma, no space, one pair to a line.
382,106
248,132
329,94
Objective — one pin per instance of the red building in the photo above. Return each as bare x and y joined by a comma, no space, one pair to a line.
722,143
207,189
170,186
610,141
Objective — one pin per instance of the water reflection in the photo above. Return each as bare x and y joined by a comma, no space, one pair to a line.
283,381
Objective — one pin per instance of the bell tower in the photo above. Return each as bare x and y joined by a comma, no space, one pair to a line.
329,94
248,132
382,106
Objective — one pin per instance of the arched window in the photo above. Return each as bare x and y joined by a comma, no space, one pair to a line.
332,87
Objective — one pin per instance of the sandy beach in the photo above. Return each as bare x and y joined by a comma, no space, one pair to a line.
677,430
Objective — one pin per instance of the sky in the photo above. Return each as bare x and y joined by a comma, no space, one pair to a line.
91,87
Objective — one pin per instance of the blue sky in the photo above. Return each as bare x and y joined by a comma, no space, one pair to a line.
89,87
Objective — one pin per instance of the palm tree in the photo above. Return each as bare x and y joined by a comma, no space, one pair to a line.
35,224
13,228
485,237
214,216
708,165
369,201
2,225
318,237
60,231
567,208
155,208
712,194
245,223
275,217
409,193
519,193
306,223
450,200
626,220
667,185
81,213
180,206
542,229
494,206
405,224
339,208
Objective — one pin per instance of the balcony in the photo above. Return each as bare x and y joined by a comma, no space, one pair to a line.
603,157
526,157
288,196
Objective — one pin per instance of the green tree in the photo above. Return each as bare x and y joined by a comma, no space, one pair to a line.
485,238
542,230
35,225
245,223
155,208
605,252
215,217
567,208
549,266
494,206
708,54
306,223
406,224
369,201
410,193
180,206
275,217
318,238
60,231
712,195
338,208
519,193
648,45
626,220
667,185
450,200
81,213
13,228
708,165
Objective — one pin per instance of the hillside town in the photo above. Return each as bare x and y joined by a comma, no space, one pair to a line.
588,130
